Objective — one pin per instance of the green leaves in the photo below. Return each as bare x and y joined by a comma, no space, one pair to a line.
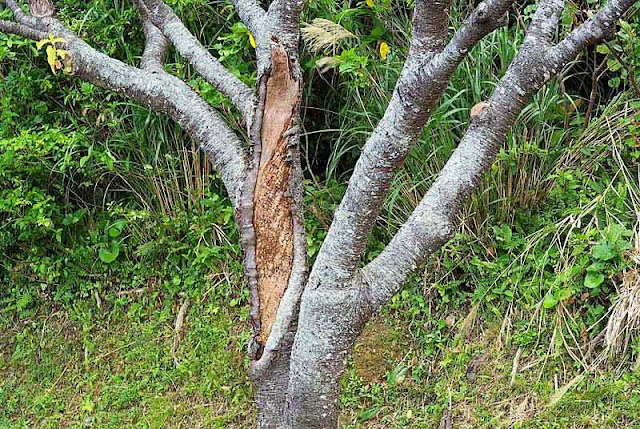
590,270
603,251
607,255
550,301
116,229
74,217
594,277
398,375
624,54
109,254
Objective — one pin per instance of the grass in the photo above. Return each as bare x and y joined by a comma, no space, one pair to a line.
113,368
86,367
500,329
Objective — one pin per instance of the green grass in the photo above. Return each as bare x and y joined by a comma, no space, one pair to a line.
534,270
86,367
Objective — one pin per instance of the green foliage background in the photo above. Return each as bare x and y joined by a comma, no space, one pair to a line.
110,218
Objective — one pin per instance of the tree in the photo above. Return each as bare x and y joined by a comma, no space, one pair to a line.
305,321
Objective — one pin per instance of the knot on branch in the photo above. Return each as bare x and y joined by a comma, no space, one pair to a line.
42,8
482,12
491,15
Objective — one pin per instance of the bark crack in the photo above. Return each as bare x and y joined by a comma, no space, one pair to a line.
273,204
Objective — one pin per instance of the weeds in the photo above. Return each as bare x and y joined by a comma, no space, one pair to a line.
512,324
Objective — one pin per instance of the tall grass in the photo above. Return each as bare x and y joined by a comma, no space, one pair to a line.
350,111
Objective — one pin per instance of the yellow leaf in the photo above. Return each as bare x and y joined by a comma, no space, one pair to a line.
55,40
52,58
252,41
41,43
384,50
50,41
369,3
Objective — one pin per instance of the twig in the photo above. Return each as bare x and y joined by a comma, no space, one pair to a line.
632,76
514,369
445,421
595,77
60,376
98,300
104,355
179,330
138,291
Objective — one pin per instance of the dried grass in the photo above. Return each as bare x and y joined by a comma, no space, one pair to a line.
325,64
625,317
322,34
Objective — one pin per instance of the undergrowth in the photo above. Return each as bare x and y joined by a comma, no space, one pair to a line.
111,219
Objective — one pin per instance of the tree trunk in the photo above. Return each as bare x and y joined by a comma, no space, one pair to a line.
271,388
274,240
330,321
301,388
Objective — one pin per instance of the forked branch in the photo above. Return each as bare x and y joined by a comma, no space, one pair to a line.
432,222
421,84
163,17
19,14
156,45
155,49
160,92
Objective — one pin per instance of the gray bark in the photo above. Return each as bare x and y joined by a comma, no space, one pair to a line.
155,49
339,298
18,29
296,369
433,220
422,82
199,57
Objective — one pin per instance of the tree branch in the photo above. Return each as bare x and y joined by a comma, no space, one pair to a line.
600,26
155,49
252,14
430,26
200,58
432,222
164,94
21,30
417,92
19,14
156,45
545,21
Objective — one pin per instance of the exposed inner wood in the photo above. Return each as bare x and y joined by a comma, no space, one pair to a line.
272,217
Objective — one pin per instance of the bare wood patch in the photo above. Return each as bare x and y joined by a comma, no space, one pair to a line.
273,219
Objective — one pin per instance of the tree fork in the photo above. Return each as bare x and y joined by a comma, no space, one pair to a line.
301,340
272,227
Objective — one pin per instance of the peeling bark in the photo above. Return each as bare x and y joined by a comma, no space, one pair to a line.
272,218
304,329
